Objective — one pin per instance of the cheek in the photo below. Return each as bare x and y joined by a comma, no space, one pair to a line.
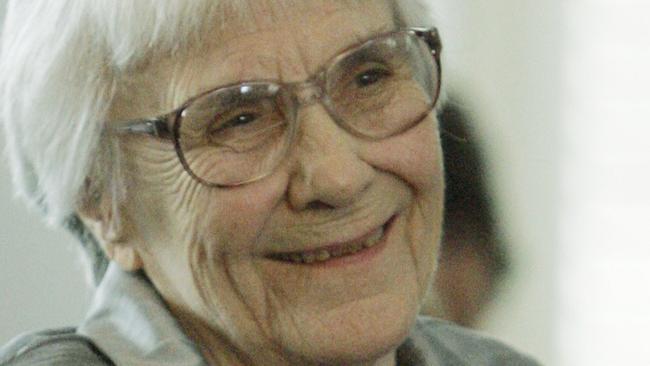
230,223
159,201
192,237
181,222
161,192
232,219
414,156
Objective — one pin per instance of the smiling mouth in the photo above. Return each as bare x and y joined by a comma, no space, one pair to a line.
327,253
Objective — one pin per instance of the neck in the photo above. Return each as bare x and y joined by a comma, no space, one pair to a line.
218,350
215,347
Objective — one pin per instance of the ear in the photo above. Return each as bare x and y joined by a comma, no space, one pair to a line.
126,256
108,223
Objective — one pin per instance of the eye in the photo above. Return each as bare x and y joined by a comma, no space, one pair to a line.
225,125
240,120
371,76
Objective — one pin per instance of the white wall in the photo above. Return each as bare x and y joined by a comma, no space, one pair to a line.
604,308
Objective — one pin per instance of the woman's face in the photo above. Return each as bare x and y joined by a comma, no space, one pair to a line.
207,250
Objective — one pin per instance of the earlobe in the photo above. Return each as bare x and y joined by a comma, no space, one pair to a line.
125,255
115,243
101,217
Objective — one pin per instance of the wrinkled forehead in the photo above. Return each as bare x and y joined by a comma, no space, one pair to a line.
311,25
253,40
258,14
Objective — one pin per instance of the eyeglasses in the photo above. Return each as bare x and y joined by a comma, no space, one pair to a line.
240,133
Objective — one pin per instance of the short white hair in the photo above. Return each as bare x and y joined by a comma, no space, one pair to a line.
59,64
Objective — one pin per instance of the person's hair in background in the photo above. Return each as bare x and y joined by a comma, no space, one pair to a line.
473,259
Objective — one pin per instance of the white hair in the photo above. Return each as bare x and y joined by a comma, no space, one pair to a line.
59,62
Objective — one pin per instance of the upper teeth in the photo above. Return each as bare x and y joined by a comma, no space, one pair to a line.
322,255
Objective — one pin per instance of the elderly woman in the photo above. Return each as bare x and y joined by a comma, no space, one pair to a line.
255,182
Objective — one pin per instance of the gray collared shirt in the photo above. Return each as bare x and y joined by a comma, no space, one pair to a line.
128,325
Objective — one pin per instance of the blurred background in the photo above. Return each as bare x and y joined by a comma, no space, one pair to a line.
556,93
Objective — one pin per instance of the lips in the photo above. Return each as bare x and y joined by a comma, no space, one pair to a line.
326,253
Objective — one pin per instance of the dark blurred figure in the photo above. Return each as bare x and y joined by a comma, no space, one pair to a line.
473,261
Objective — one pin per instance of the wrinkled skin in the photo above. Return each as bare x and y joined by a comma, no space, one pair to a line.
205,249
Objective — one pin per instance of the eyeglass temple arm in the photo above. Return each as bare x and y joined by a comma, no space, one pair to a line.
157,127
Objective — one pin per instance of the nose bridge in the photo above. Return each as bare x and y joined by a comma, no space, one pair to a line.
308,92
318,128
319,136
318,131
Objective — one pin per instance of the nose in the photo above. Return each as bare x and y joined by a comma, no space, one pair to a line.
328,171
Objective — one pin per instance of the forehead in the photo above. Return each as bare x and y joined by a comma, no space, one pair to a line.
285,40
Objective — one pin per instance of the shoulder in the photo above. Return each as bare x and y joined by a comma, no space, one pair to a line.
55,347
454,345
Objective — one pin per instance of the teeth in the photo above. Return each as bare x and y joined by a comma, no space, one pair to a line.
323,255
295,257
338,251
355,247
309,257
374,239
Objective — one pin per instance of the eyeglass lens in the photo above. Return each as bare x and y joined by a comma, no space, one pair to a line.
237,134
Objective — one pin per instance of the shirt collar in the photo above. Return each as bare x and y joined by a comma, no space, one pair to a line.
418,347
130,323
